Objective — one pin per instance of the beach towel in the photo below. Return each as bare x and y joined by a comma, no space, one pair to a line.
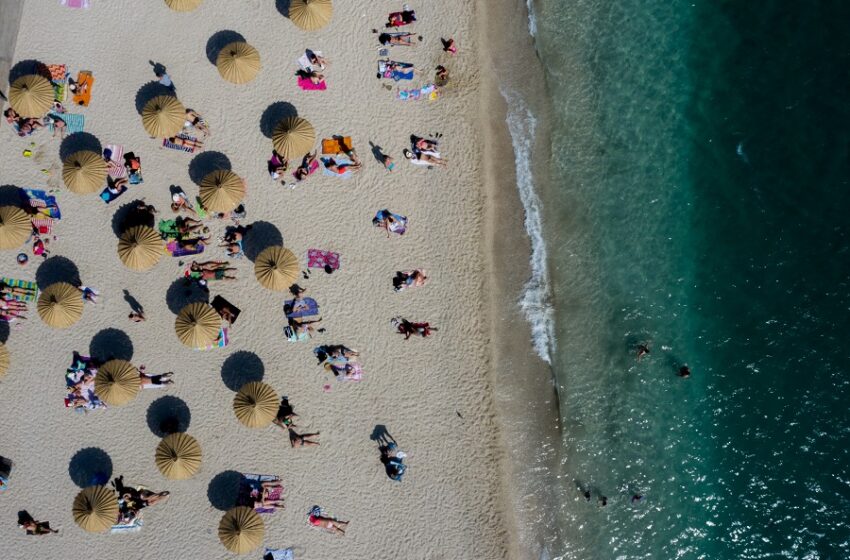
134,526
26,284
85,83
354,372
398,225
74,122
279,554
75,3
314,165
108,196
44,204
307,85
341,161
316,258
44,226
400,19
428,91
336,145
187,149
115,153
392,70
220,305
176,250
168,229
59,78
307,307
250,487
293,336
304,61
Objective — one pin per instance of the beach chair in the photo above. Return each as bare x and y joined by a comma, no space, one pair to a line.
85,82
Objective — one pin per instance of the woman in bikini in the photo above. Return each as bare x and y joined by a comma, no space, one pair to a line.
194,144
398,39
300,440
328,523
8,291
423,158
187,225
194,120
150,380
285,418
304,169
262,498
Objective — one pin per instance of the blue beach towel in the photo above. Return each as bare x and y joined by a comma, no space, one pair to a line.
74,122
306,308
279,554
341,161
43,203
108,197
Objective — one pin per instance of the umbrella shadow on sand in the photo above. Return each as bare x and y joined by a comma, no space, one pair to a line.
283,7
223,490
111,344
78,142
259,236
205,163
219,40
168,415
275,113
10,195
130,215
27,67
149,91
240,368
90,466
57,269
184,291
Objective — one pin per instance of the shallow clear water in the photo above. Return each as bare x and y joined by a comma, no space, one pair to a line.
700,156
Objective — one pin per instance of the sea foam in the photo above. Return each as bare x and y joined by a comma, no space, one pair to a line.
536,298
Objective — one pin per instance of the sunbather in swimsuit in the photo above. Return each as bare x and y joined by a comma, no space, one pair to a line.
189,143
328,523
402,39
300,440
303,170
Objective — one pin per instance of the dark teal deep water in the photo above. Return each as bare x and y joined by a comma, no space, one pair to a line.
700,203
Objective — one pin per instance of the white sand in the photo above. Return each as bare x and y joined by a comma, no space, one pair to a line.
448,505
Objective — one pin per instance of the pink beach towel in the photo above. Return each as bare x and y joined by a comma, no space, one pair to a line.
307,85
316,258
75,3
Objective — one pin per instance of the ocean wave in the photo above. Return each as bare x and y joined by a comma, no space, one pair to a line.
536,298
532,20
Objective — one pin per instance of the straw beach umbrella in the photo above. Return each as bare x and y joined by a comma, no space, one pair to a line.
84,172
96,509
276,268
31,96
60,305
4,360
238,62
197,325
116,382
222,191
163,116
183,5
178,456
311,15
15,227
140,248
293,137
241,530
256,404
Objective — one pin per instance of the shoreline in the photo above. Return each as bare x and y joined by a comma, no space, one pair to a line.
524,392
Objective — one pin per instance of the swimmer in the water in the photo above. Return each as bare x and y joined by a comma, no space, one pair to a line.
684,371
603,501
638,498
642,350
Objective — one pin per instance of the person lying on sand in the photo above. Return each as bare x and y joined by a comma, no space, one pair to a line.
441,76
408,329
302,327
409,278
286,416
179,201
262,498
194,120
303,170
188,225
330,524
398,39
116,186
33,527
192,244
194,144
8,291
300,440
150,380
319,62
59,125
314,76
277,165
341,168
422,158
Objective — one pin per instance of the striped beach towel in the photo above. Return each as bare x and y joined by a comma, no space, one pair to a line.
59,77
251,486
116,161
74,122
316,258
26,284
43,225
173,146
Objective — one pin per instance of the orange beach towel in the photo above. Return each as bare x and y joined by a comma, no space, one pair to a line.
337,145
85,81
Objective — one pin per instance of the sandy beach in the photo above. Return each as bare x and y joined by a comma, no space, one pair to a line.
435,395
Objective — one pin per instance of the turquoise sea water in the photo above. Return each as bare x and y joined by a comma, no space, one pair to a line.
699,204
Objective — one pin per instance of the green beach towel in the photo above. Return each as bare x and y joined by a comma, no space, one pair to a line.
25,284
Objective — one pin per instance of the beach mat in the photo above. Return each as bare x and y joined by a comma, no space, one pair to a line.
220,304
26,284
173,146
307,85
340,160
44,204
84,78
314,165
316,258
279,554
74,122
292,336
428,91
307,308
108,196
116,160
132,527
337,145
223,340
59,78
176,250
75,3
250,486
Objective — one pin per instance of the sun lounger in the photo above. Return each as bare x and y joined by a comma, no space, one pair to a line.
74,122
116,160
45,204
176,250
279,554
179,148
26,284
336,145
107,196
307,307
85,83
250,487
316,258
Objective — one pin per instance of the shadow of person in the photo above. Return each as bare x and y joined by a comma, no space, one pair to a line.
134,304
381,436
